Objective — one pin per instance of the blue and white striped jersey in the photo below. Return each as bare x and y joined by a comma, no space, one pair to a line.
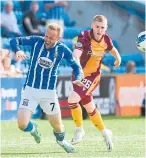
44,62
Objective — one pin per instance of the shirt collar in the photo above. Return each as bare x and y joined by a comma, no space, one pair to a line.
92,36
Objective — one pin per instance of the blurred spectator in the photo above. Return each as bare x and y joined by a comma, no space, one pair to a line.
55,11
5,60
31,22
143,110
25,5
143,107
130,67
6,68
9,26
67,21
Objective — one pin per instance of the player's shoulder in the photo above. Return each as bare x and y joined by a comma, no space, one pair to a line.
63,47
39,37
61,44
35,38
85,33
108,41
107,37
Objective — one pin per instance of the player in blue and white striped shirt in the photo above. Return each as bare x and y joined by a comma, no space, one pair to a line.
40,87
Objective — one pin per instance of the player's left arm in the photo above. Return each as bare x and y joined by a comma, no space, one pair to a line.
117,56
113,51
22,41
77,69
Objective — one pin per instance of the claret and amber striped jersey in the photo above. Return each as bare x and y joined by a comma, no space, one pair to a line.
92,51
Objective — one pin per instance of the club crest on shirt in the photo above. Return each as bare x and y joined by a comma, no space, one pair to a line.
79,44
45,62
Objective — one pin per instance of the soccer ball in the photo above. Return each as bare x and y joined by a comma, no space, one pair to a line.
141,41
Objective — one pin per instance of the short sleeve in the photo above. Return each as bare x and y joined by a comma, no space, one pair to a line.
79,44
108,42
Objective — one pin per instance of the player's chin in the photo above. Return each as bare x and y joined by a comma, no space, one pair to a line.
48,44
99,34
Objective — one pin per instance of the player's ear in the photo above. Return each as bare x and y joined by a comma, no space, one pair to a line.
106,27
92,25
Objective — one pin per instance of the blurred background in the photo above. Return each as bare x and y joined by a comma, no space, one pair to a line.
121,91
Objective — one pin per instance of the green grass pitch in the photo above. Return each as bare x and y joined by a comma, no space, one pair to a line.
128,139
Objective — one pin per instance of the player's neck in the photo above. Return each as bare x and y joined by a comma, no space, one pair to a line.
51,46
96,37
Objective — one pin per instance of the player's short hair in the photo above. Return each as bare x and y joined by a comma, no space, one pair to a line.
55,26
99,18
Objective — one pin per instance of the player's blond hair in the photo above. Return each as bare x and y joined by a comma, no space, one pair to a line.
55,26
99,18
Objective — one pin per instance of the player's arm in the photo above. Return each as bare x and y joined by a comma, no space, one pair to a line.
79,46
77,69
113,51
117,56
22,41
77,54
78,50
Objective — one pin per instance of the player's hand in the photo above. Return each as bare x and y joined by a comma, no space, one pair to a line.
117,63
78,82
21,56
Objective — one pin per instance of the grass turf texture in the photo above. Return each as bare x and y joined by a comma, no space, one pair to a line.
128,139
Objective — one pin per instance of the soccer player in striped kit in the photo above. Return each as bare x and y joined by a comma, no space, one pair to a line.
40,87
89,52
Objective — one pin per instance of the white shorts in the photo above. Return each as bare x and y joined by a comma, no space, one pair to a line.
47,99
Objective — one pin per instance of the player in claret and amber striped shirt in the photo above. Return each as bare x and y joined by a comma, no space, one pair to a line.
89,51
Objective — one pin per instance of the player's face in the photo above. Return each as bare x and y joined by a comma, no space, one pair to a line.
99,28
51,37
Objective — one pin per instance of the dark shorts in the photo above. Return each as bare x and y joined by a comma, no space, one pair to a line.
90,82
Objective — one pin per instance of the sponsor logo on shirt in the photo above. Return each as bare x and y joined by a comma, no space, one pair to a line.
95,54
45,62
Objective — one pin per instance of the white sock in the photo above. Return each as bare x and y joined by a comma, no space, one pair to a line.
33,129
104,132
79,128
61,142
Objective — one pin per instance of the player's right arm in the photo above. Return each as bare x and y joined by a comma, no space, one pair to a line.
79,47
22,41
